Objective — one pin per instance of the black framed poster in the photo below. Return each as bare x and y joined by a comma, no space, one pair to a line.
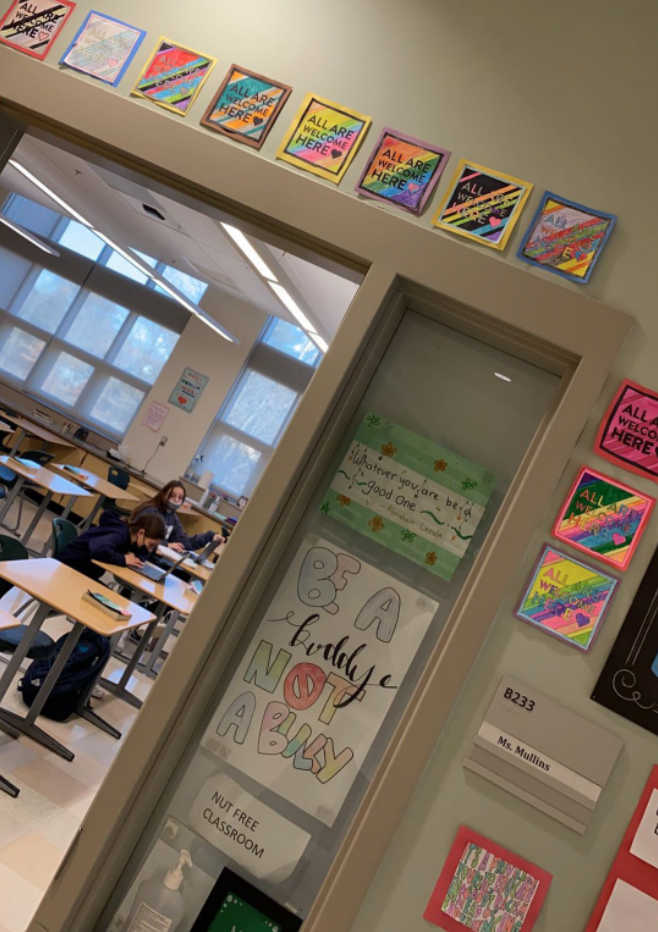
628,683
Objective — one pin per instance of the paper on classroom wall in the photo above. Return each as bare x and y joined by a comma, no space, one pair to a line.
155,416
319,676
188,389
409,494
103,47
31,26
245,829
246,106
628,435
173,76
629,910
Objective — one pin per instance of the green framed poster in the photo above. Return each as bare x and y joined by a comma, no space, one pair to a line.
413,496
188,389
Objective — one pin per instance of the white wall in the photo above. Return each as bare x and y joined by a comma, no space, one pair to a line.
210,354
563,95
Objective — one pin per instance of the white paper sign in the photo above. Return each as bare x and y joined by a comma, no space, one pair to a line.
154,417
629,910
645,843
319,676
248,831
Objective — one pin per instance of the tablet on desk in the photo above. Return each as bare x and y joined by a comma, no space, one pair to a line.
237,906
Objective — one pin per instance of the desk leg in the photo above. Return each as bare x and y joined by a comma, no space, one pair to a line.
89,520
11,498
85,710
21,652
119,689
20,437
37,517
149,668
8,788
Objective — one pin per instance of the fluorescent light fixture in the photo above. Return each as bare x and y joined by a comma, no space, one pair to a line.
499,375
319,342
46,190
245,246
288,301
29,236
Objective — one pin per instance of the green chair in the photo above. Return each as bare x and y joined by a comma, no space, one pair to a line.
64,532
120,478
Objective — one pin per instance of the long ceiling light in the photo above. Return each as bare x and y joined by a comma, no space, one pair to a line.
289,302
245,246
129,257
29,236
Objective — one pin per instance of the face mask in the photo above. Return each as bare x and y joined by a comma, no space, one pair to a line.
173,506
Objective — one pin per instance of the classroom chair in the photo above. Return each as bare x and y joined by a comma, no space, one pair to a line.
120,478
9,479
62,534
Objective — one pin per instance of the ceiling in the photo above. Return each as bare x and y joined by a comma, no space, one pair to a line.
186,237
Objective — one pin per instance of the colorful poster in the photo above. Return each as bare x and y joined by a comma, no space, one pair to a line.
566,598
486,888
315,684
173,76
155,416
566,238
628,684
324,138
628,435
246,106
482,204
409,494
188,390
603,518
629,898
31,26
403,171
103,47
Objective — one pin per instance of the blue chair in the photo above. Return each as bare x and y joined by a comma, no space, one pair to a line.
120,478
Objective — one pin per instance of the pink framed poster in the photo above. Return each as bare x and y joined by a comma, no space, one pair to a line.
628,435
483,886
31,26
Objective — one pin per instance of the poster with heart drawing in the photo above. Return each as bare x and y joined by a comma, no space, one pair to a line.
188,389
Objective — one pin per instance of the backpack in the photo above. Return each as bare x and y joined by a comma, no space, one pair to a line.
87,659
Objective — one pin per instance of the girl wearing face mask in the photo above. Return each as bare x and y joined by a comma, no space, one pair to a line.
114,541
166,503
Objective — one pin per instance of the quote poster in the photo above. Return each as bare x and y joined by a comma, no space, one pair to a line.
103,48
628,435
246,106
323,138
319,676
482,204
188,389
628,684
409,494
173,76
566,238
402,171
31,26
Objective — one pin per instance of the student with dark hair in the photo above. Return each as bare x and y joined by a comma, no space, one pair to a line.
114,541
165,504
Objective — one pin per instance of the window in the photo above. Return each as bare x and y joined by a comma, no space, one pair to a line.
146,350
233,462
118,264
19,353
80,239
291,340
13,270
96,325
41,220
47,301
260,407
191,287
67,378
117,405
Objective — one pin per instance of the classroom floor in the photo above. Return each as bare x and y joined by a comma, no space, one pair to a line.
37,827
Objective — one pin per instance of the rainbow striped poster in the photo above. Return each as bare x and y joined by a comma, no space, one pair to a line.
566,598
246,106
173,76
603,518
324,138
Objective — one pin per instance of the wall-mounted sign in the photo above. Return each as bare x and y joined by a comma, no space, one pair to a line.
103,48
629,898
409,494
246,106
248,831
403,171
543,753
188,389
628,683
566,598
320,674
173,76
603,518
324,138
31,26
628,435
155,416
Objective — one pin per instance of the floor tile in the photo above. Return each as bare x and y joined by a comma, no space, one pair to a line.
11,827
15,754
60,830
82,768
80,809
99,746
55,784
33,857
20,899
31,808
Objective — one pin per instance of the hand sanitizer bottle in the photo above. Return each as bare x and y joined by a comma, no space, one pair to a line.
159,905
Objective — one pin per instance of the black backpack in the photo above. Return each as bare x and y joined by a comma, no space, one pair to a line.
87,659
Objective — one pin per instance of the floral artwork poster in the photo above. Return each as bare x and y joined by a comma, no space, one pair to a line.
486,888
324,138
566,598
173,76
628,435
566,238
103,48
603,518
409,494
31,26
246,106
482,204
403,171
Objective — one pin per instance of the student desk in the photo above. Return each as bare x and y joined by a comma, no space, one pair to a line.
199,570
45,479
23,427
89,480
170,593
57,587
9,621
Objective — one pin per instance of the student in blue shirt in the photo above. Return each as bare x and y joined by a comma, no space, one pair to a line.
165,504
114,541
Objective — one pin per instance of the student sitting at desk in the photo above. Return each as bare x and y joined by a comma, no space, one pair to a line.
166,503
114,541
